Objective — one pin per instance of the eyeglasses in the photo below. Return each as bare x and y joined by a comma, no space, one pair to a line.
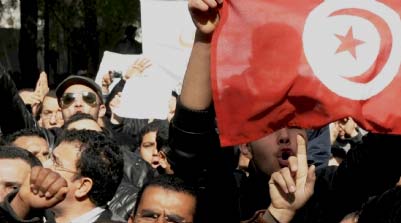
151,217
56,164
88,97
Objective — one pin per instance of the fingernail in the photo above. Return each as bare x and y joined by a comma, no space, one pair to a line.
292,189
34,190
41,194
47,194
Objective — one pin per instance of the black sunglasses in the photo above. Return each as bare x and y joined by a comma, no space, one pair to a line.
88,97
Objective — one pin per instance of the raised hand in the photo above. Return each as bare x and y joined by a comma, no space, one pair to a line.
107,79
137,68
42,85
292,186
205,14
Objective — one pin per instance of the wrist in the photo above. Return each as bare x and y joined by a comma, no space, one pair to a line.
280,215
20,207
203,37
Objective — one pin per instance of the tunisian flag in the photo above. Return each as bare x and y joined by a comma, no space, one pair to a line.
306,63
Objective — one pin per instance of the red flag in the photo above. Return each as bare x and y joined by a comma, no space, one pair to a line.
306,63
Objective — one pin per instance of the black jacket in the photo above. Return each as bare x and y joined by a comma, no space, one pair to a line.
136,173
197,158
369,169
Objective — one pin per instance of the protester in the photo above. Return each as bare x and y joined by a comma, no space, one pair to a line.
166,199
49,112
80,94
345,135
193,136
43,189
92,167
34,140
136,171
15,166
152,137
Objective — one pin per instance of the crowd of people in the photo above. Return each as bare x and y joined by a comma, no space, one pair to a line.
66,156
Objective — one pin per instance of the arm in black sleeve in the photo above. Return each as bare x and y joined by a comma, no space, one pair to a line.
192,135
198,158
118,88
14,115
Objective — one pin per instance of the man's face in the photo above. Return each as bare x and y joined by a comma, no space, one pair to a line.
63,161
36,145
12,173
51,115
271,152
80,100
148,149
158,203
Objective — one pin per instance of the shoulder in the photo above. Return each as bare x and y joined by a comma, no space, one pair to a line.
108,217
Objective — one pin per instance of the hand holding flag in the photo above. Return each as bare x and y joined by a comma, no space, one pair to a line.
306,63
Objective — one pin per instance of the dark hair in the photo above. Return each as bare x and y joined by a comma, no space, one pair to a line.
39,132
167,182
159,126
77,117
100,160
385,208
13,152
82,116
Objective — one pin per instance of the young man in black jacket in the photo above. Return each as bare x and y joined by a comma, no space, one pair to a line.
369,169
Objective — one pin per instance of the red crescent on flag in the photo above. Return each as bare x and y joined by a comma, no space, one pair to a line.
385,48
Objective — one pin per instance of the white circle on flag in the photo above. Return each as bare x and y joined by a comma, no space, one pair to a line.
334,65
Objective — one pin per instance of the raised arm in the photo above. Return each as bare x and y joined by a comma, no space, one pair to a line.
196,89
14,115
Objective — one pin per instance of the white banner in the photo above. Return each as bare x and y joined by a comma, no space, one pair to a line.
167,38
167,34
143,96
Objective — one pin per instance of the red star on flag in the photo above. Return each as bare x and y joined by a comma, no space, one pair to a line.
348,43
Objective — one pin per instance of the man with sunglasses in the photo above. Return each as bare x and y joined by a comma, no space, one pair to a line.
77,94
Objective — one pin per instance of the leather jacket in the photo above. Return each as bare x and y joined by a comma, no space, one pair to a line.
136,173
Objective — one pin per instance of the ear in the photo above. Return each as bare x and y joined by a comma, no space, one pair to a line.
84,185
246,150
102,111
